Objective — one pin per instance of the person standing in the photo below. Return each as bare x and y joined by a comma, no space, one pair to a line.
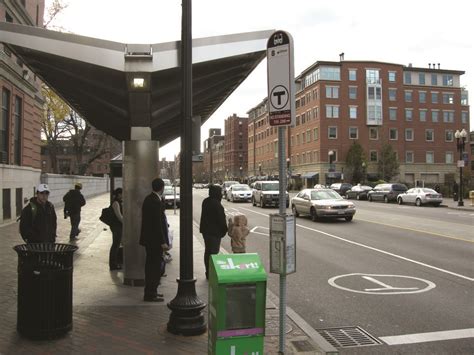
238,232
213,225
153,238
116,227
73,202
38,220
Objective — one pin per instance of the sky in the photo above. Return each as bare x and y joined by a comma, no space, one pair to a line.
417,32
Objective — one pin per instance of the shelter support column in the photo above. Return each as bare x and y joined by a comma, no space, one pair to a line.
140,167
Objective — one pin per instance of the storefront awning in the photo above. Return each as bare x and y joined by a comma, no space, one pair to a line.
309,175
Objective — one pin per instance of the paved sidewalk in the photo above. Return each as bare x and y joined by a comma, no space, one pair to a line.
110,318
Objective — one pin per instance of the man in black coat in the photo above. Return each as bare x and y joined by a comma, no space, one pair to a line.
153,237
73,202
38,220
213,224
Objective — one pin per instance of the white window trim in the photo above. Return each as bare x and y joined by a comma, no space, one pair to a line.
370,136
412,155
356,130
426,157
412,134
329,131
426,132
377,156
396,135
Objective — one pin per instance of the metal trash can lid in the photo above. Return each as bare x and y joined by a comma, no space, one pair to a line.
44,248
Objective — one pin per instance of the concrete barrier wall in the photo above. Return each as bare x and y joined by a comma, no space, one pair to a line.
60,184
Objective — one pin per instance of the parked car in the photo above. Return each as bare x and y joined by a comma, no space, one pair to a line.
320,186
420,196
226,185
239,192
266,193
359,192
341,187
169,196
386,192
322,203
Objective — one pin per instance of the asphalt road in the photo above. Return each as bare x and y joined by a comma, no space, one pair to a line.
404,274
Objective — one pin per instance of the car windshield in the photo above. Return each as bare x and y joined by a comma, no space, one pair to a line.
399,187
240,188
429,191
270,187
325,195
230,183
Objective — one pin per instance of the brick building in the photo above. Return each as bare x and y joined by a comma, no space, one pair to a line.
415,110
214,162
22,109
236,147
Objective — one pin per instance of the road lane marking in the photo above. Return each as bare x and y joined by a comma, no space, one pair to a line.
377,250
384,285
416,230
254,230
431,336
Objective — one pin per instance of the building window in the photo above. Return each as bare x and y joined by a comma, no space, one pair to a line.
372,76
4,125
409,157
352,74
373,155
407,78
374,93
448,80
373,133
393,134
353,133
297,139
18,121
352,92
434,79
448,98
332,132
332,111
408,96
449,159
464,99
392,94
429,157
392,113
308,136
434,97
422,97
408,114
434,115
352,112
332,92
448,116
315,134
429,135
448,135
422,115
421,78
409,134
464,117
392,76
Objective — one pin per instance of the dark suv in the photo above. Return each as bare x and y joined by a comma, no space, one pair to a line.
341,187
386,192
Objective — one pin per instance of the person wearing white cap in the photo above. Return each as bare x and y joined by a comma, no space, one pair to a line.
38,220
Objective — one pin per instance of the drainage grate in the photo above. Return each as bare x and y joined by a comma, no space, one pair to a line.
347,337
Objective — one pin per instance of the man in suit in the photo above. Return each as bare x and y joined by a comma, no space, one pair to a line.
153,237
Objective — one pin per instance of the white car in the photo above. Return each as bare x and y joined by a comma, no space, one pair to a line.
239,192
420,196
169,196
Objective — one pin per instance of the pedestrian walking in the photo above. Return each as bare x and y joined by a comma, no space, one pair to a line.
116,226
73,202
153,237
38,220
238,232
213,225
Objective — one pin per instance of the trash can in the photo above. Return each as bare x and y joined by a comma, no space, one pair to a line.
44,289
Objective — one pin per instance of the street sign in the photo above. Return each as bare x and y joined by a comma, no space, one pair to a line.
282,244
281,79
460,163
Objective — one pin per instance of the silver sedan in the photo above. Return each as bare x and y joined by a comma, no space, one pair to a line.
322,203
239,192
420,196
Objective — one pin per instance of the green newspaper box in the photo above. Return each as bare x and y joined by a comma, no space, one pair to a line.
237,295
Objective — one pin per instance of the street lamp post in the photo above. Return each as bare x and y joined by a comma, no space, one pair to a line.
363,172
260,169
460,144
331,167
288,160
241,169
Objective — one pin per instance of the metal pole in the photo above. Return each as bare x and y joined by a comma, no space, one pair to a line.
461,149
282,211
186,316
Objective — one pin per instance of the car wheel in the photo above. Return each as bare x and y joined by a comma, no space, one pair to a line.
385,199
314,214
348,218
369,198
294,211
400,201
253,202
262,204
418,202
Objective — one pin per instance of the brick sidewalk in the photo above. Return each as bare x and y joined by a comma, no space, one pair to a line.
109,317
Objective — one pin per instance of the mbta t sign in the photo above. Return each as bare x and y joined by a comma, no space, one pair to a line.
281,79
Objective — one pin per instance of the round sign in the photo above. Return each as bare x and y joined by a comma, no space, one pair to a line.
279,97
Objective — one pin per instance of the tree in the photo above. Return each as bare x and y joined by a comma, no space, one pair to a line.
354,163
388,165
56,7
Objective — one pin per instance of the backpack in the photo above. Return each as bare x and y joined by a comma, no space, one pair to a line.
108,215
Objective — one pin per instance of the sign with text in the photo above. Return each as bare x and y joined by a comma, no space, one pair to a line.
280,79
282,244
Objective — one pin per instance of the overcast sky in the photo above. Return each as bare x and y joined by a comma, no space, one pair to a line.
402,32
